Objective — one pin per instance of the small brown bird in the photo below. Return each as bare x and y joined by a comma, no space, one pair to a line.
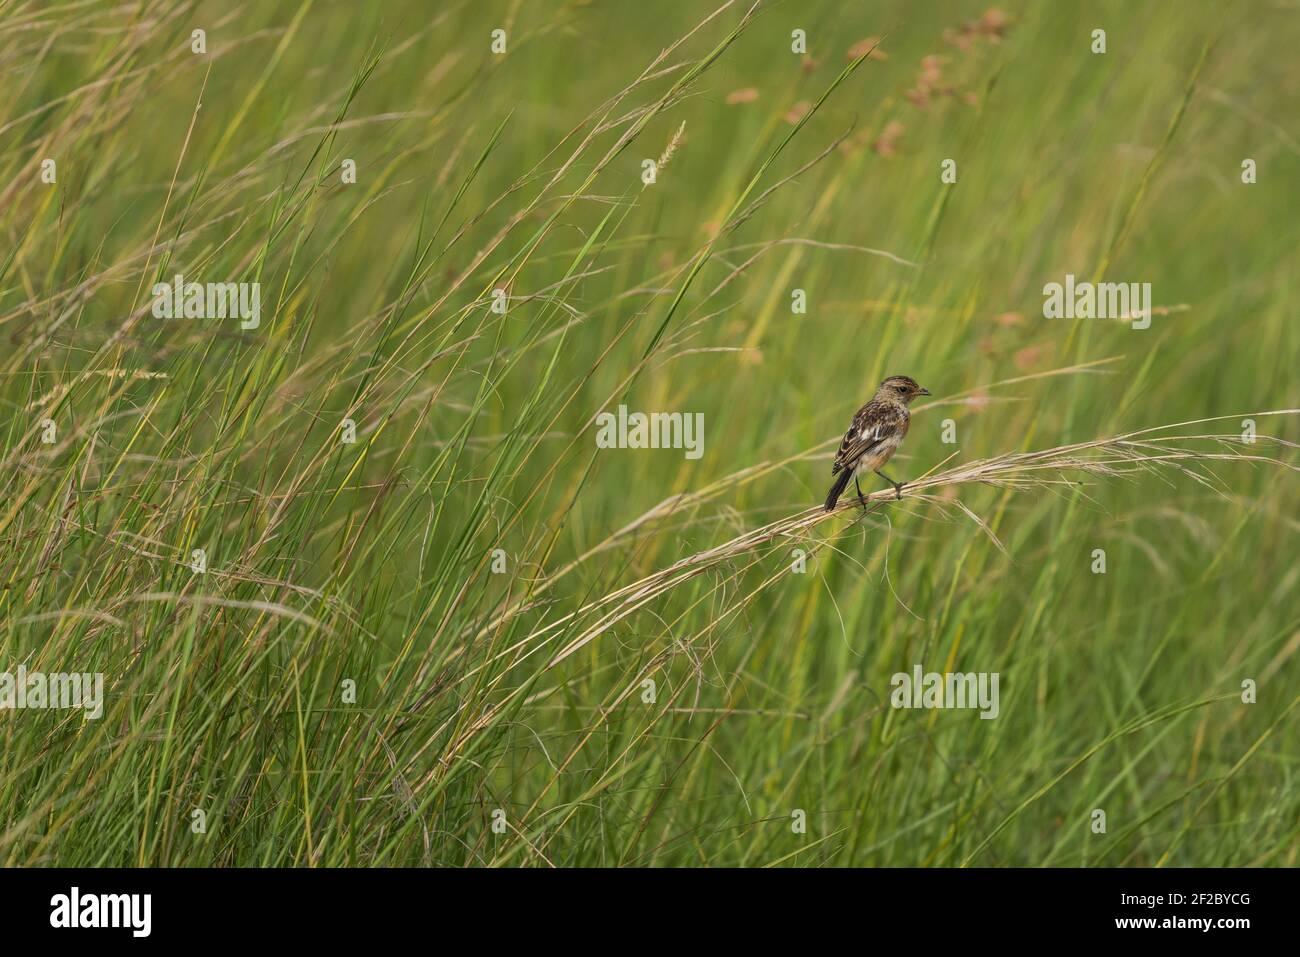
875,435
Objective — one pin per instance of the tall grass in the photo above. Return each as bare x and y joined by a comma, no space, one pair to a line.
631,657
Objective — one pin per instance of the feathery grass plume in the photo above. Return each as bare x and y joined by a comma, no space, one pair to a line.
671,148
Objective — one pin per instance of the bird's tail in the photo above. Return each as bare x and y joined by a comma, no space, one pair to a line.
838,488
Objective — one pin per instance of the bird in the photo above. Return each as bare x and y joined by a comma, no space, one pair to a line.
878,429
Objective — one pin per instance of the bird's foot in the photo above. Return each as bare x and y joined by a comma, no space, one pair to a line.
898,491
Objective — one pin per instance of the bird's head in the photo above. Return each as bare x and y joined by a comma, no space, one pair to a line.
900,388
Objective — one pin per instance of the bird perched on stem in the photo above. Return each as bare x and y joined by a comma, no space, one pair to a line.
877,431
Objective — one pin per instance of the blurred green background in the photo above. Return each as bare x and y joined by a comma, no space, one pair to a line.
370,564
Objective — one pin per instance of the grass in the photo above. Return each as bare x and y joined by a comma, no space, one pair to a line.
631,657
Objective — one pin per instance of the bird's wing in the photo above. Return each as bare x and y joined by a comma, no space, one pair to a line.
875,423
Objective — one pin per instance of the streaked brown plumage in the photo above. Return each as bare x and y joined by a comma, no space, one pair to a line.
877,431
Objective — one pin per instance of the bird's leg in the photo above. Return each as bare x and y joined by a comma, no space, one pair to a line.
862,499
898,486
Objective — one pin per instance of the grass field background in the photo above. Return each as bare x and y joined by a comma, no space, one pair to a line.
518,696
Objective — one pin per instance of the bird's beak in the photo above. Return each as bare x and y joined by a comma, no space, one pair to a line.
924,392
